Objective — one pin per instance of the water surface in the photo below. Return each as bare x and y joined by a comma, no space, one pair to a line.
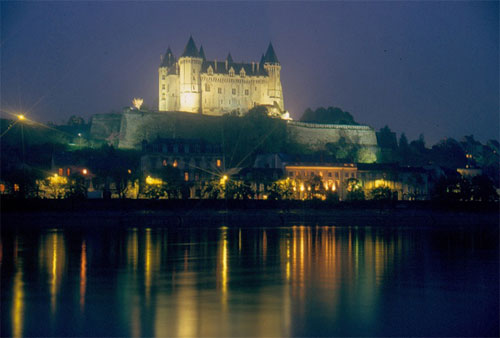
268,281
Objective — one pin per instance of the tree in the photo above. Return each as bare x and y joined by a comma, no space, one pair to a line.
354,190
381,194
212,190
483,189
330,115
281,190
448,153
343,150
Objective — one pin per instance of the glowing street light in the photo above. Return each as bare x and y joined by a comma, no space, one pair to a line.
85,171
21,117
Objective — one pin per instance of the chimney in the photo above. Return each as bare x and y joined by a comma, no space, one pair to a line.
215,65
258,66
253,67
226,65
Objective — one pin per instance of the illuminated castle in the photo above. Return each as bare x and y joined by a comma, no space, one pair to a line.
194,84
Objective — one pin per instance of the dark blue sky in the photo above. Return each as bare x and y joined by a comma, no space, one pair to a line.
420,67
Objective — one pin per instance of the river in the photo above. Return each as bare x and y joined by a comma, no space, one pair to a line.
267,280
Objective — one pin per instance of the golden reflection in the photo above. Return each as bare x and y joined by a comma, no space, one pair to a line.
18,302
239,240
133,249
83,275
223,266
135,322
147,265
288,259
52,254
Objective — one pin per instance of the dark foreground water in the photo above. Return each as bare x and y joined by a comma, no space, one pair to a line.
269,281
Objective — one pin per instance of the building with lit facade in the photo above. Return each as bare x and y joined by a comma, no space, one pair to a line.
195,161
196,85
318,176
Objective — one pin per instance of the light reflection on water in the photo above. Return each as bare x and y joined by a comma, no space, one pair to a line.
292,281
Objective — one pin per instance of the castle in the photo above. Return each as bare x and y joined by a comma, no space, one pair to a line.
195,85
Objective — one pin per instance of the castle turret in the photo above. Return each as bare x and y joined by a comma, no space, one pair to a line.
273,68
189,78
168,82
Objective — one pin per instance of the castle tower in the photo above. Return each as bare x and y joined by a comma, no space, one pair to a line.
273,68
168,73
190,79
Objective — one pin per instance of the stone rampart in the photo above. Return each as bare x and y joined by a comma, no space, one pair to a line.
317,135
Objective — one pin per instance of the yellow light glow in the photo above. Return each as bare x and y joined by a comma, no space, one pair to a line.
147,264
129,171
223,179
153,181
18,304
302,187
85,171
83,275
21,117
56,179
137,102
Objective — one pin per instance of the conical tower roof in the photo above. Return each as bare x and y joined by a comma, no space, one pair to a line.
191,50
270,56
168,59
229,58
262,59
201,53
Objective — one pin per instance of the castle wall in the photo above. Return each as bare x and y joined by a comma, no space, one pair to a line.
105,126
223,93
317,135
136,126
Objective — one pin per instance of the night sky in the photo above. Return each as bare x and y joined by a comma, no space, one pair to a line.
419,67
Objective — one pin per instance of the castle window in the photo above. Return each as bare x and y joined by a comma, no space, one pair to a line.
219,90
186,176
68,171
60,171
194,79
175,164
218,163
337,175
246,92
234,91
164,163
163,77
162,86
207,87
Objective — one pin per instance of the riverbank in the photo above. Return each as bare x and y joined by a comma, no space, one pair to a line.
216,213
